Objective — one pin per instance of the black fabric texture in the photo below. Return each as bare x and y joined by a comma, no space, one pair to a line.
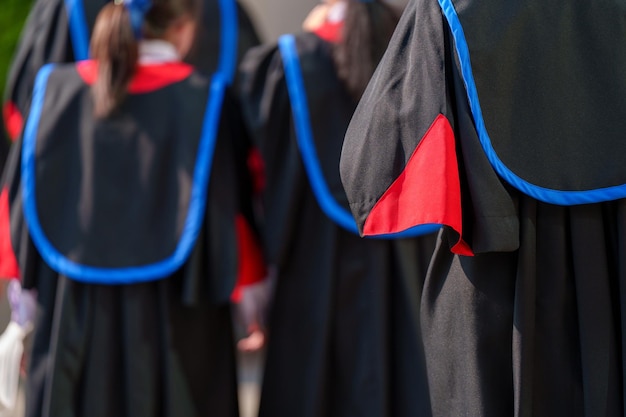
534,332
159,348
202,54
533,324
568,137
135,350
115,192
225,196
343,336
267,110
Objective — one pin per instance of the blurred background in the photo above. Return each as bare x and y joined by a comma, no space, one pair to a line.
275,17
12,16
271,17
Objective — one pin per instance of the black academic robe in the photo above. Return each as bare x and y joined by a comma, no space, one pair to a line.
342,327
47,37
118,193
503,121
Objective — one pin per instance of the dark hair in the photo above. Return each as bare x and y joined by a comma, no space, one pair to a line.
114,47
368,26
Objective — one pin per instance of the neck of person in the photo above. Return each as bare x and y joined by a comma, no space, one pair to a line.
157,51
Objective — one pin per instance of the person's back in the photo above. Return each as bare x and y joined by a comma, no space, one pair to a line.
340,312
127,183
58,32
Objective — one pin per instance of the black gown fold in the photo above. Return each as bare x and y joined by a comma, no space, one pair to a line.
162,347
343,337
533,323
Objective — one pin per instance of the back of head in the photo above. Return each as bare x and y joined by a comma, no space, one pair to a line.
368,26
114,43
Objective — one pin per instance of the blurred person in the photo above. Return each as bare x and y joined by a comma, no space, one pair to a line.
520,108
125,189
59,31
343,333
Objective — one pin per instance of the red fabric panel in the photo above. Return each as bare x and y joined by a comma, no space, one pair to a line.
330,31
147,78
256,166
427,191
251,267
13,119
8,262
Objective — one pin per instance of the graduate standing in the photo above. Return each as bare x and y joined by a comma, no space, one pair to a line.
59,31
343,335
124,189
504,121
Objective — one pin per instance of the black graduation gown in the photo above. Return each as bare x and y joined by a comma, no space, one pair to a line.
491,110
342,329
47,37
160,347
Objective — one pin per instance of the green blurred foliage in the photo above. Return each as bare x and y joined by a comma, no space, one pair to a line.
13,13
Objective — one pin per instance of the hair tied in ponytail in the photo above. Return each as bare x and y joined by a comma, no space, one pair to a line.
137,10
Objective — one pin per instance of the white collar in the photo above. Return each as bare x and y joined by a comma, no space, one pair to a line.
155,51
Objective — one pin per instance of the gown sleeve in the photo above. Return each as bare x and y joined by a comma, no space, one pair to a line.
411,155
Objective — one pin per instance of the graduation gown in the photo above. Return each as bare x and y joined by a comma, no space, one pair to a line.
116,195
48,37
486,117
342,328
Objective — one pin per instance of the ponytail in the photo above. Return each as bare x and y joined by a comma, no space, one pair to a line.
114,47
368,26
114,43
